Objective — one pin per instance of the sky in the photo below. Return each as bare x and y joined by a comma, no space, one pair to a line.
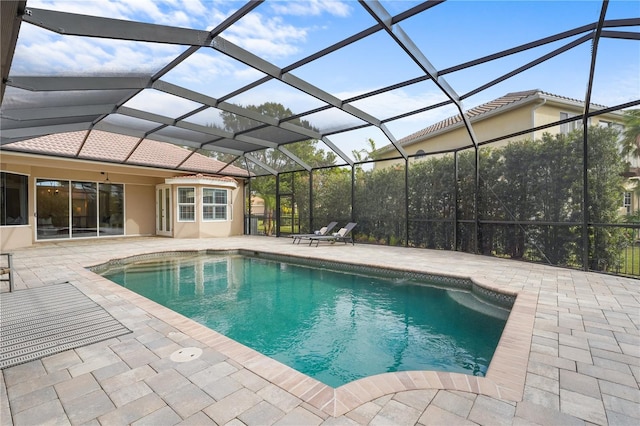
285,31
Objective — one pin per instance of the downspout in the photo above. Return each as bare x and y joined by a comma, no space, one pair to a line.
533,117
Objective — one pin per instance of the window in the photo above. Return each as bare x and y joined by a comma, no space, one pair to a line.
13,199
567,128
186,204
214,204
627,202
617,126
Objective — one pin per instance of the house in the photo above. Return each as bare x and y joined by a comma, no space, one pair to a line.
257,206
513,113
99,185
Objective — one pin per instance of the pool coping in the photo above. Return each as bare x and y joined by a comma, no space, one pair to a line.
505,378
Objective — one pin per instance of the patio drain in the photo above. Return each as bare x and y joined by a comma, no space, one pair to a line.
186,354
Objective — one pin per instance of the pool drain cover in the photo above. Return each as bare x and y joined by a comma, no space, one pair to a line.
186,354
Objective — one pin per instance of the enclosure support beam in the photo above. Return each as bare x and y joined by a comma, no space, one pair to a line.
455,201
249,230
311,227
277,205
585,140
476,204
406,202
353,193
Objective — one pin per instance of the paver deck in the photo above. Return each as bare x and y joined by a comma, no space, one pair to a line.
570,353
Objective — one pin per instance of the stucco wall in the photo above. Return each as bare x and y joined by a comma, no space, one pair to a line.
139,197
210,229
515,120
139,205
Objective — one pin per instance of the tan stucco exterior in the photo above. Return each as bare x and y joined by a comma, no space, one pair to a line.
139,197
536,111
494,124
200,228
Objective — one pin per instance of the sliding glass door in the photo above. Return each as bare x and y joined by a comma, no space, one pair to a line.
84,208
76,209
52,209
111,203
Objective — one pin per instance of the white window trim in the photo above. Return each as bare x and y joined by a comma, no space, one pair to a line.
179,204
227,205
627,199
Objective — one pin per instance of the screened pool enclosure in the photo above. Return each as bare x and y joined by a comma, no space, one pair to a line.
499,128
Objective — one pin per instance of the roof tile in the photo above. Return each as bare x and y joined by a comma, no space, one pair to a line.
107,146
112,147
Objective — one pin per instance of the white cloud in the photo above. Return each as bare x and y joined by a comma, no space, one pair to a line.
40,52
178,13
207,71
103,8
395,102
247,74
312,8
268,37
161,103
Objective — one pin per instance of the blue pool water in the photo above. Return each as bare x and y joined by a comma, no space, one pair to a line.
334,326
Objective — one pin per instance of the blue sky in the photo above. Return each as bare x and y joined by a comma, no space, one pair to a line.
285,31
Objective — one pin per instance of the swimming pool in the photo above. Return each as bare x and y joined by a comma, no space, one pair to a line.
333,325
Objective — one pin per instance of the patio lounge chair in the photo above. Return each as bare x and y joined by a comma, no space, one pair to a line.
325,230
344,234
7,269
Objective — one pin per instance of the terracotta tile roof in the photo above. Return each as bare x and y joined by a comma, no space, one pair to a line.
202,163
107,146
147,154
59,144
122,149
209,177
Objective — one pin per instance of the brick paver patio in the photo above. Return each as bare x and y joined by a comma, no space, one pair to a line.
570,353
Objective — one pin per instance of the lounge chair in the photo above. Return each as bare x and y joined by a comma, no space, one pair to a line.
325,230
7,269
344,234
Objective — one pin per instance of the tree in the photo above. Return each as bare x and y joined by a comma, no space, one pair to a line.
305,150
631,134
605,192
364,154
432,202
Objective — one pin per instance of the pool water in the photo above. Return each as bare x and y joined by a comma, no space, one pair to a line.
334,326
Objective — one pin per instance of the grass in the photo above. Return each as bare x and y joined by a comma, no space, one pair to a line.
631,261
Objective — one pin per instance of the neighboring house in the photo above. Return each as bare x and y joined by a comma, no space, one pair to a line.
513,113
78,185
257,206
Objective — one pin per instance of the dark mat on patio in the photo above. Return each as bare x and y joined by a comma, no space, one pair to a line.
42,321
